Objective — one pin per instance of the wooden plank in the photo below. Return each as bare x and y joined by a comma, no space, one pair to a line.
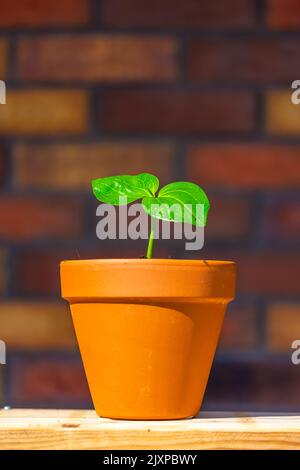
78,429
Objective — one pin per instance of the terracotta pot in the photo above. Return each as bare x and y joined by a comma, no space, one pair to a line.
147,331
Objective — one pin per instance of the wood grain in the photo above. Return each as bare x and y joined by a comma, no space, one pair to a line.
78,429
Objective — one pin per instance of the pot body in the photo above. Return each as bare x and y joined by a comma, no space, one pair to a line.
147,350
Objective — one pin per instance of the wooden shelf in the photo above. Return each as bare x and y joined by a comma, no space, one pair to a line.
78,429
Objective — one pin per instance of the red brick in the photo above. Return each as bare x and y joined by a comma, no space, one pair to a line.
73,166
283,326
239,331
176,13
3,58
283,14
282,220
91,58
179,112
32,325
229,218
245,165
31,218
44,112
37,270
38,13
282,116
47,382
245,60
269,273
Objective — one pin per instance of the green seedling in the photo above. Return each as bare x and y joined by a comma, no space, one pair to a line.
175,202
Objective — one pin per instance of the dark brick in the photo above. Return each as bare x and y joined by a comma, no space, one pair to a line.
3,58
229,217
239,331
47,382
281,220
37,271
4,272
176,13
258,385
269,273
244,60
178,112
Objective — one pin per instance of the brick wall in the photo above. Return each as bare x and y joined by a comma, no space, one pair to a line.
188,89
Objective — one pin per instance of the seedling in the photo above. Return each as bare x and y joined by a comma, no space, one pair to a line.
176,202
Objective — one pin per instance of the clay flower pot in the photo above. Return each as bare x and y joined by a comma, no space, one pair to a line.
147,331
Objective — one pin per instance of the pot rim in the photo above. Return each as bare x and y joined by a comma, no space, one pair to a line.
144,279
200,263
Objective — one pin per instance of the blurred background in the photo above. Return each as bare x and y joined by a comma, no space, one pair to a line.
196,90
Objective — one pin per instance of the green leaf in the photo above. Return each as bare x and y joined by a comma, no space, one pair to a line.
132,187
178,202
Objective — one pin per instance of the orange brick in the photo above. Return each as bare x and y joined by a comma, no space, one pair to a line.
97,58
239,330
283,14
44,112
31,218
245,165
38,13
73,166
282,116
3,58
36,325
3,271
283,326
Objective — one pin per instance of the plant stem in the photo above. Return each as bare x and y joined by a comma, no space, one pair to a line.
150,240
